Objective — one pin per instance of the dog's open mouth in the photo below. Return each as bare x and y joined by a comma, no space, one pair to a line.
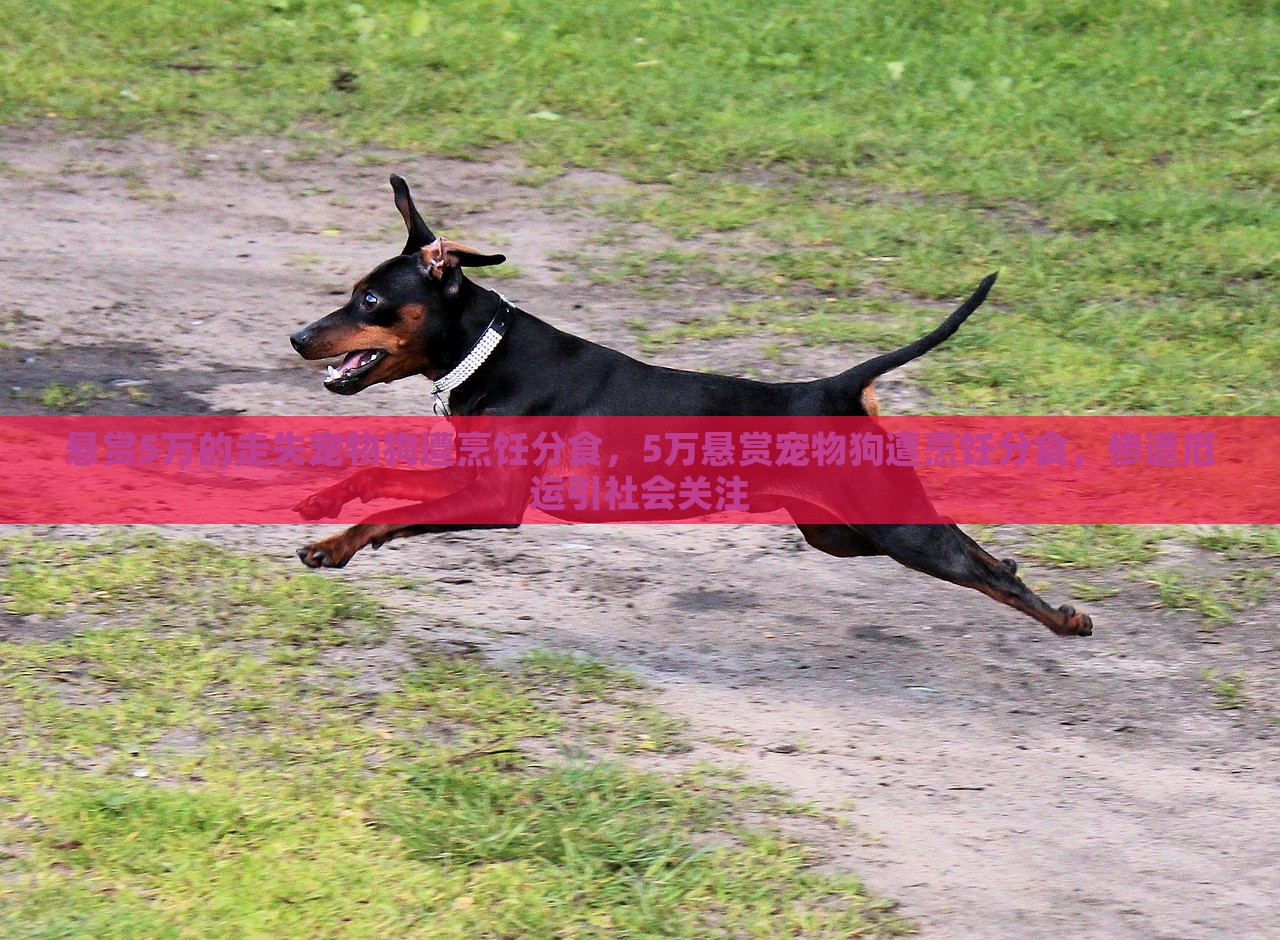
353,367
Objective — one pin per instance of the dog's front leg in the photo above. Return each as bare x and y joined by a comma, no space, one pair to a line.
384,483
337,550
500,507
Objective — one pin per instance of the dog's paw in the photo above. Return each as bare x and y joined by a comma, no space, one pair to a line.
1073,622
321,555
325,504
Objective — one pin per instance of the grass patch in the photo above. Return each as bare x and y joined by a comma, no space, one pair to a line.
219,746
737,320
72,397
1095,546
537,839
585,677
1228,691
631,724
1084,591
1113,159
1241,541
186,582
1179,591
1218,600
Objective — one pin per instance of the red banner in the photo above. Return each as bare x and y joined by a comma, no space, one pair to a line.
497,470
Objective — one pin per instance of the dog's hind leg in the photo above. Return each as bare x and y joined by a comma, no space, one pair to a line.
986,555
844,541
946,553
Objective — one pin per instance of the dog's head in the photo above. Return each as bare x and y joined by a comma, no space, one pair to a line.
402,310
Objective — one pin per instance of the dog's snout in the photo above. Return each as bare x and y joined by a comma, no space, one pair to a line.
300,339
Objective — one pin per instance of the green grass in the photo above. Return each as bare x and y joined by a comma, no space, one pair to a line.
1241,541
1082,590
207,745
738,320
1179,590
585,677
1095,546
632,725
1215,600
71,397
1228,691
1116,160
1213,595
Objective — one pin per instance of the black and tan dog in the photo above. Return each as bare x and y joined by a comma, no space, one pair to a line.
418,314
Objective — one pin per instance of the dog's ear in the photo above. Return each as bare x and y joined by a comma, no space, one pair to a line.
469,257
419,234
445,259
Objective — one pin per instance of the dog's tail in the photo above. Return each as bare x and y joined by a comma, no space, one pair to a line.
850,386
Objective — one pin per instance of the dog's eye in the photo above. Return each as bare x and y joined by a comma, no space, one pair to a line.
370,300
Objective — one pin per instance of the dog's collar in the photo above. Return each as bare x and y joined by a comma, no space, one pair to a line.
473,360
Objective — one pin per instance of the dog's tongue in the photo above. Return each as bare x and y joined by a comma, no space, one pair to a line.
355,360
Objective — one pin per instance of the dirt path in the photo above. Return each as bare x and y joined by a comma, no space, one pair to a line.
1002,782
